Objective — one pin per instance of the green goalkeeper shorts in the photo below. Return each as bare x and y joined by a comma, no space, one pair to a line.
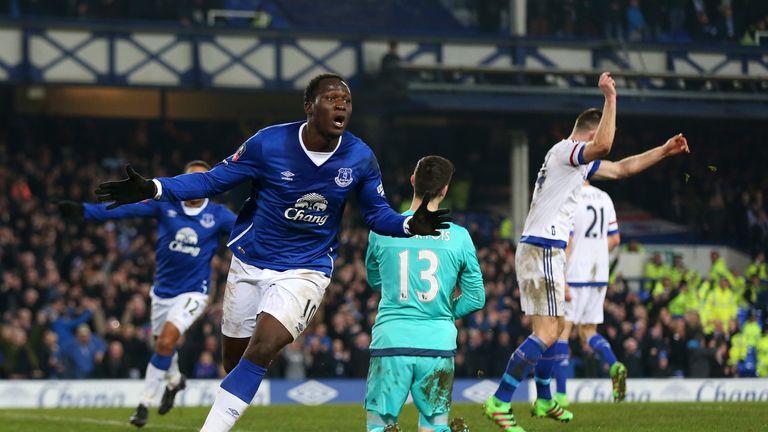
429,380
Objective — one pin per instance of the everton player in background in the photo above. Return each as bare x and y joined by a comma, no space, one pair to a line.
187,238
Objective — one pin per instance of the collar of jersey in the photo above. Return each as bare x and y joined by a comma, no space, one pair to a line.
310,153
194,211
408,212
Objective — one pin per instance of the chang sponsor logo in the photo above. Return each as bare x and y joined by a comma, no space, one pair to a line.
721,391
309,208
601,391
185,242
58,395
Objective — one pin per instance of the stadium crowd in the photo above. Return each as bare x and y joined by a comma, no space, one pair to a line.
617,20
74,296
649,20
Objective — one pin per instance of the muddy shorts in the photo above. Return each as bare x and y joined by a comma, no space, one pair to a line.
428,379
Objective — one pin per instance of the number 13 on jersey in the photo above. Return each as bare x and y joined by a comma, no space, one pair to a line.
427,275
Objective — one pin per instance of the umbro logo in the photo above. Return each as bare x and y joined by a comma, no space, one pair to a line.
287,175
233,412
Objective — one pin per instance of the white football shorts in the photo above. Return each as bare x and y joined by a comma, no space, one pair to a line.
181,311
291,296
586,305
541,277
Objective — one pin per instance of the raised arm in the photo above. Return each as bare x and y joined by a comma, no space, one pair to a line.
632,165
602,143
472,297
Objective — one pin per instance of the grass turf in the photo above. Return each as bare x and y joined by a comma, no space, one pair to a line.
675,417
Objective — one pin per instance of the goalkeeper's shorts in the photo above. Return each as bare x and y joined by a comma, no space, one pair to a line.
429,380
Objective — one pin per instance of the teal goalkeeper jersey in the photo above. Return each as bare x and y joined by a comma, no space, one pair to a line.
417,277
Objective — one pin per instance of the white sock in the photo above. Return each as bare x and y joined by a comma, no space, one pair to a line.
173,375
226,409
152,381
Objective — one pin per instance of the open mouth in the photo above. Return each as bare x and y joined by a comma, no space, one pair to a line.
338,121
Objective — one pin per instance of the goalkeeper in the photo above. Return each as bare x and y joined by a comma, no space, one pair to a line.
414,338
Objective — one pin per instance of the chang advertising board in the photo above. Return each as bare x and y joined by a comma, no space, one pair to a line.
127,393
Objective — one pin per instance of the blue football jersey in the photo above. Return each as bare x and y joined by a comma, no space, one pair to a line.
187,238
292,217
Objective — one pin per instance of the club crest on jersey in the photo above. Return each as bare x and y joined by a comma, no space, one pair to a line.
207,220
344,178
309,208
238,153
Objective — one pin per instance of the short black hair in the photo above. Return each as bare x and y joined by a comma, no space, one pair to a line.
197,162
432,174
588,120
311,90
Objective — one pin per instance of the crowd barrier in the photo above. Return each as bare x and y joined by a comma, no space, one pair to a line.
126,393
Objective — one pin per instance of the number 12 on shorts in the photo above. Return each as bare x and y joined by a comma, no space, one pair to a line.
427,275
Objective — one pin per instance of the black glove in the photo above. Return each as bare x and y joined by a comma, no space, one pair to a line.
425,222
70,209
133,189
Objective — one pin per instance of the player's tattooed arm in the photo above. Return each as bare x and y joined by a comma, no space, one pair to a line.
632,165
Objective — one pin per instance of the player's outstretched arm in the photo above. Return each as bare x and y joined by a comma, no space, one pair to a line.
70,209
632,165
133,189
99,212
601,145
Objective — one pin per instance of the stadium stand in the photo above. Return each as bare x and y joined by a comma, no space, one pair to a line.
67,286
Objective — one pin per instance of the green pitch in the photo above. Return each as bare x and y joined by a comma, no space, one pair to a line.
675,417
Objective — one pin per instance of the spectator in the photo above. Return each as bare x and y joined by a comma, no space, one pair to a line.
19,360
359,356
80,356
205,367
113,365
294,361
262,19
636,24
654,271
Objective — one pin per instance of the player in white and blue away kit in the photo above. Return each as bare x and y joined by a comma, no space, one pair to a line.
188,234
540,256
285,239
595,233
414,338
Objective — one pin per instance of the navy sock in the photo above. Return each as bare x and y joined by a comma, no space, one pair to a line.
561,365
543,373
520,364
160,361
602,349
244,380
